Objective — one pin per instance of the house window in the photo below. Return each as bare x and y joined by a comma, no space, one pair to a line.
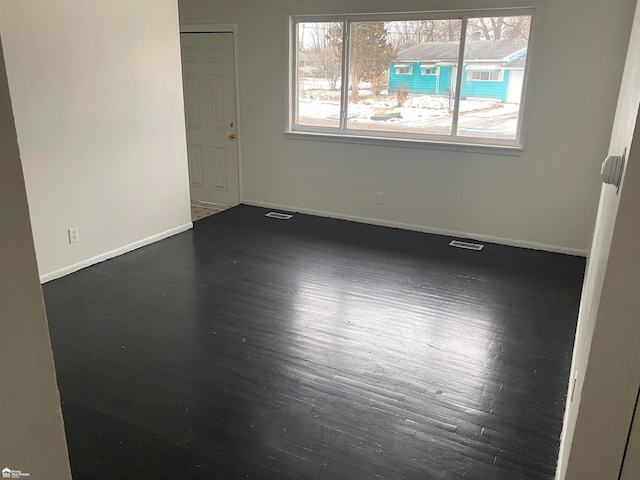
404,69
475,61
485,76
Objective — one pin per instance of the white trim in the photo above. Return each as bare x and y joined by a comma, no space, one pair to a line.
47,277
233,29
533,46
532,9
356,135
403,66
373,13
506,59
483,67
435,68
420,228
369,138
208,28
470,74
344,85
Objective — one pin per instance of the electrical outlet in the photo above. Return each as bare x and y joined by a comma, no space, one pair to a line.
73,235
379,198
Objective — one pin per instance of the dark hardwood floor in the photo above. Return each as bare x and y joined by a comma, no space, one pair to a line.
255,348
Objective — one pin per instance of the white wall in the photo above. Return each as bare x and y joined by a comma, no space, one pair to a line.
547,196
631,470
97,94
31,430
607,351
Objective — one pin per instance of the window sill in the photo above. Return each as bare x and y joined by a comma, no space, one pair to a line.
488,149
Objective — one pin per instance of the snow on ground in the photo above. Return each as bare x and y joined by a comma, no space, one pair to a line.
419,113
318,109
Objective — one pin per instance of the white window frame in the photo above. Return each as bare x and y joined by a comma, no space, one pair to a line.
480,72
342,133
433,69
407,66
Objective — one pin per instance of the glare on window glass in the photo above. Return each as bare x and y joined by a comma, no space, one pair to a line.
319,70
495,57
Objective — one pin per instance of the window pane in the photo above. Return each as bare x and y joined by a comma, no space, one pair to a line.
495,53
388,90
319,68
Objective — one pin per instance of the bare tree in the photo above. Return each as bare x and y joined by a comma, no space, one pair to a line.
325,54
517,27
499,28
405,34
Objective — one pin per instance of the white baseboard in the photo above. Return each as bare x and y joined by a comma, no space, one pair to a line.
420,228
47,277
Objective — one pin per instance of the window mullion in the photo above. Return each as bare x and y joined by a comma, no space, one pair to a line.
344,82
294,81
459,72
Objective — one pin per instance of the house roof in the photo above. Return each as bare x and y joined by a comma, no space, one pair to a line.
478,50
519,62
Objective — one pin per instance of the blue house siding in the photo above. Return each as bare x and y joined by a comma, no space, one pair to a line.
485,89
427,84
418,83
445,80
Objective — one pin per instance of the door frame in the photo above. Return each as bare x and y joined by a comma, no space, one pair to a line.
233,29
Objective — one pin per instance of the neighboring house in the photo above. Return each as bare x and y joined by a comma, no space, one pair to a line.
304,60
491,69
307,67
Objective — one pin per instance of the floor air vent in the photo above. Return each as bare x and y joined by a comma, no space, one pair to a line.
467,245
278,215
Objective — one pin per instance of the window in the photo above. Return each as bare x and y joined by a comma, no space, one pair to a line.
428,70
485,76
402,69
473,70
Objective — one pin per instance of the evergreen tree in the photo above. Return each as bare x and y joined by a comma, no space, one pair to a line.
370,52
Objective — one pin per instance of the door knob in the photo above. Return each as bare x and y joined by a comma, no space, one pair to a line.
232,136
612,168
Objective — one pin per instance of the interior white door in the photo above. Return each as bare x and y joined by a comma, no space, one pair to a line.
208,75
605,365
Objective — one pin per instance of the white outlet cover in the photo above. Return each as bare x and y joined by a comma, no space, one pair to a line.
73,235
